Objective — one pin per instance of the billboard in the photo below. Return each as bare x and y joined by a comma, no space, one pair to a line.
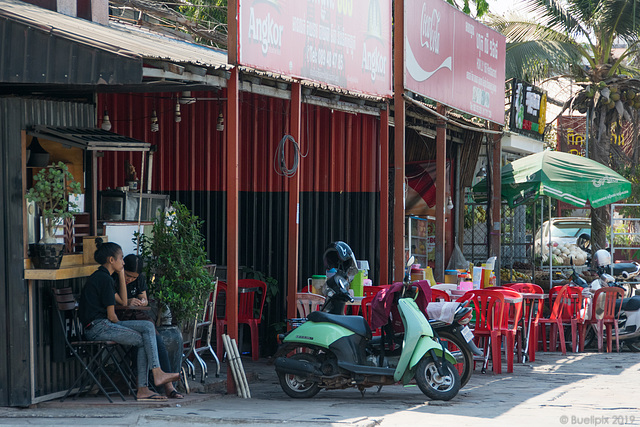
453,59
343,43
527,114
572,137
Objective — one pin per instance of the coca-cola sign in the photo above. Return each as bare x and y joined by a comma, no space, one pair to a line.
453,59
343,43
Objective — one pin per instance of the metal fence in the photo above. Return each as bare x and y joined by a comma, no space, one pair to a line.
516,244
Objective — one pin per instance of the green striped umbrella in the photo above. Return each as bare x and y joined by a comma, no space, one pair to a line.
563,176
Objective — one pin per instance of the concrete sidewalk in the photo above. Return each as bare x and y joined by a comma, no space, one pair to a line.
555,390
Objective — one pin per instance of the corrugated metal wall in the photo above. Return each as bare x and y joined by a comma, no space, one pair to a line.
15,387
340,174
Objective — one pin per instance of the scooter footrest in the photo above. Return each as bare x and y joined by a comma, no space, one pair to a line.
366,370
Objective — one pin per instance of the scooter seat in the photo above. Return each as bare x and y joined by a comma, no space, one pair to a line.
629,304
355,324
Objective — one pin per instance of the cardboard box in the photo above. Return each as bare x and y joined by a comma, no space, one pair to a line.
89,248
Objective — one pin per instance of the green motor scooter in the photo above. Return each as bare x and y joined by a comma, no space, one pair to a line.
334,351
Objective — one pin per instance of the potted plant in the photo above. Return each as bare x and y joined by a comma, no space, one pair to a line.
174,258
52,186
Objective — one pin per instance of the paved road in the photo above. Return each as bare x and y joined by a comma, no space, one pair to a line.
556,390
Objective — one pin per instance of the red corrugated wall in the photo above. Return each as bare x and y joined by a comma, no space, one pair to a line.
342,148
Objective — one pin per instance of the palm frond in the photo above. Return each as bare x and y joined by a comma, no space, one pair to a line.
556,15
536,60
618,18
520,30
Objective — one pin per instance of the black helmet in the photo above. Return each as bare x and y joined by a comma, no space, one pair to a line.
339,255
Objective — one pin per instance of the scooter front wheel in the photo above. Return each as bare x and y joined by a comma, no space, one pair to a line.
633,345
298,386
434,385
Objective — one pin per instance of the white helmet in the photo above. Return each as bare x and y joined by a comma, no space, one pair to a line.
602,258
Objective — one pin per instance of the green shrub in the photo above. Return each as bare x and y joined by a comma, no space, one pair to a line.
174,261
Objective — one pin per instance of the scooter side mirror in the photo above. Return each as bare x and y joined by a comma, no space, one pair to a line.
410,261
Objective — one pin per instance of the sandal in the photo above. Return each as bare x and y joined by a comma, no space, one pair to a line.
175,395
152,398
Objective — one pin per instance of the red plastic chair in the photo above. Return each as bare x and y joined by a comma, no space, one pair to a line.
488,306
512,316
604,299
246,315
555,322
365,306
438,295
307,303
529,288
573,310
372,290
531,311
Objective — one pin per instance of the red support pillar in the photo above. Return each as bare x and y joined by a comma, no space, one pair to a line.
441,187
294,205
383,278
233,186
398,147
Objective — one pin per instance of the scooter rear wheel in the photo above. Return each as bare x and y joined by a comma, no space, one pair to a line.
461,352
297,386
432,384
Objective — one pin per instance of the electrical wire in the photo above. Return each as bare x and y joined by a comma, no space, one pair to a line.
280,161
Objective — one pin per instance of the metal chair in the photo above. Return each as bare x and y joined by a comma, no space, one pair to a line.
203,331
197,337
93,356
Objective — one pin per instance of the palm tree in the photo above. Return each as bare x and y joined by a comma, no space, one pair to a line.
575,39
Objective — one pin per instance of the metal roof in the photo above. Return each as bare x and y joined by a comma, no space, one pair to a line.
116,38
89,138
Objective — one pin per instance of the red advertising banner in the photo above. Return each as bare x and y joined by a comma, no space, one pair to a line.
343,43
453,59
572,136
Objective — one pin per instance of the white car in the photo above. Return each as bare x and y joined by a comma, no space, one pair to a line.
570,236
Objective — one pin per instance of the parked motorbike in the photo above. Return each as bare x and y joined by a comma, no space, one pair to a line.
628,309
333,351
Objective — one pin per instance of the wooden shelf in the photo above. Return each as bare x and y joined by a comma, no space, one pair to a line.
69,272
70,268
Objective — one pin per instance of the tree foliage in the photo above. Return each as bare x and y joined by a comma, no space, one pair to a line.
575,39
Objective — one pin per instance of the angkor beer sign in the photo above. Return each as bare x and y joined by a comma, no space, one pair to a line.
453,59
572,135
344,43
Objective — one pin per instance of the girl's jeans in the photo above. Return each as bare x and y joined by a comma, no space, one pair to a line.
138,333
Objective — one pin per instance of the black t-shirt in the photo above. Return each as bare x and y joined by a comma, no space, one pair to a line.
97,295
134,288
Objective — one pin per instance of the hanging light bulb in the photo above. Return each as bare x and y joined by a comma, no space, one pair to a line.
449,203
154,122
178,116
220,123
106,123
